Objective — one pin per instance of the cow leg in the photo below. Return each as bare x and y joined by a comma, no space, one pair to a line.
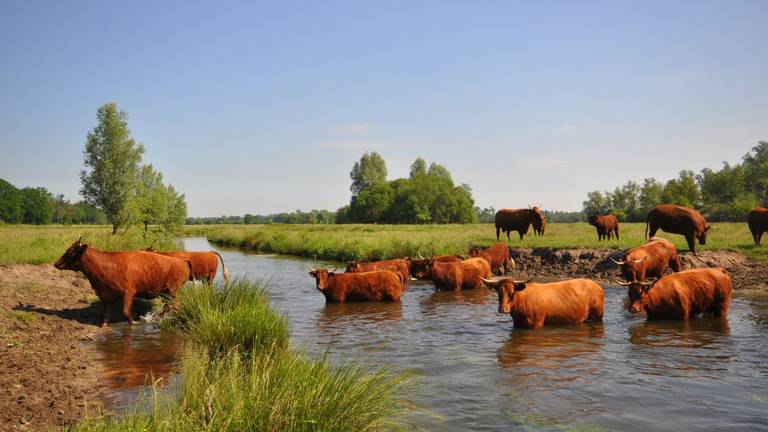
759,236
107,307
676,264
617,234
508,237
521,235
691,243
497,234
128,306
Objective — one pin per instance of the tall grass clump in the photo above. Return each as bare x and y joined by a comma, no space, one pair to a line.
238,373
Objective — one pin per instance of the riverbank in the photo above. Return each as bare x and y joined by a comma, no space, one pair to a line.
48,375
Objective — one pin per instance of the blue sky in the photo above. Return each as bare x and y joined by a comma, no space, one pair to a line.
264,107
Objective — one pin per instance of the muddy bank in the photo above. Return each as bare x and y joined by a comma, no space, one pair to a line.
596,264
48,375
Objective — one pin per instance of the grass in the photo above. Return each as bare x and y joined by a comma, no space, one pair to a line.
238,373
23,316
39,244
373,242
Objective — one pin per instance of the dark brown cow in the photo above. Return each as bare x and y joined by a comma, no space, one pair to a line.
455,276
678,220
533,305
605,225
496,255
650,260
204,264
396,265
508,220
419,268
540,226
116,276
685,294
757,219
374,285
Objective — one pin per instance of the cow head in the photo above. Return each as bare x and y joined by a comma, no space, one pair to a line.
632,269
72,258
703,235
506,289
637,291
474,251
419,268
322,278
592,220
352,266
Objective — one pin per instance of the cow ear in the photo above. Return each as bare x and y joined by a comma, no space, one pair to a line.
313,274
82,250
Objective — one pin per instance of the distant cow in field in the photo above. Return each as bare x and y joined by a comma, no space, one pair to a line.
540,226
533,305
396,265
605,225
455,276
117,276
204,264
374,285
684,295
757,219
520,220
496,255
678,220
419,268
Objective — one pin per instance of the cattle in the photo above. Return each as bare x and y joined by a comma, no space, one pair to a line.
116,276
651,259
683,295
508,220
757,219
540,226
533,305
419,268
396,265
678,220
496,255
605,226
204,264
380,285
457,276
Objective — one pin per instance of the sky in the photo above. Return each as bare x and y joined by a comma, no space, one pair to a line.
263,107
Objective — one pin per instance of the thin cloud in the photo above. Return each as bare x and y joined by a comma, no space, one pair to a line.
354,145
352,128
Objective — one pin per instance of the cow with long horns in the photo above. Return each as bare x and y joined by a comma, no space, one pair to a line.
379,285
651,259
396,265
419,268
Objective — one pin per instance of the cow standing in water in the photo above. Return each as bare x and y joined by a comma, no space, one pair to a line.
678,220
520,220
650,260
496,255
605,226
116,276
374,285
399,266
419,268
456,276
757,219
204,264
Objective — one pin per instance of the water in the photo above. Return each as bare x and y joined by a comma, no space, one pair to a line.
470,370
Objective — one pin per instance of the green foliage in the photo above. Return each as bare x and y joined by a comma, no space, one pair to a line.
597,203
682,191
370,171
36,205
756,172
10,203
297,217
112,159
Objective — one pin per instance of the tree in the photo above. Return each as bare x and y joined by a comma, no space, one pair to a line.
10,203
371,170
683,191
596,204
176,214
371,204
756,171
112,159
418,168
152,197
36,205
650,194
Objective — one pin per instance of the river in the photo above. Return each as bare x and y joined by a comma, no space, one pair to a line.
470,370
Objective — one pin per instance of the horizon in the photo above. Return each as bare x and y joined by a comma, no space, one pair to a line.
264,109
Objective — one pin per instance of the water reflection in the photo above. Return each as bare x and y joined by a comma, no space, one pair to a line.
338,317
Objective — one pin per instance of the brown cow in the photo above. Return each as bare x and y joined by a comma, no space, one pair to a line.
457,276
757,219
204,264
496,255
649,260
532,305
374,285
508,220
685,294
396,265
540,226
419,268
125,275
605,225
678,220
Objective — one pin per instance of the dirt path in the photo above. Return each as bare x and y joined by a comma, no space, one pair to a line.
48,376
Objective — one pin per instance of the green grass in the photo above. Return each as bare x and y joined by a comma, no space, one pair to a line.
23,316
238,373
372,242
39,244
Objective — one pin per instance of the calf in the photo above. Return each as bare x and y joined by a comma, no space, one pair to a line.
533,305
373,285
457,276
683,295
605,225
125,275
399,266
496,255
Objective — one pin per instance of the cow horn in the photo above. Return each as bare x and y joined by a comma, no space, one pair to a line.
311,269
420,257
617,282
640,260
334,269
618,262
79,238
488,280
152,244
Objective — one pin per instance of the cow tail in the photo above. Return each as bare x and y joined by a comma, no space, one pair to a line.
647,219
191,273
224,270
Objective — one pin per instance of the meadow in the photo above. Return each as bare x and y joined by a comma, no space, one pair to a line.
373,242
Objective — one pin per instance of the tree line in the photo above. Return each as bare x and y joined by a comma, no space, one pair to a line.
297,217
727,194
38,206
